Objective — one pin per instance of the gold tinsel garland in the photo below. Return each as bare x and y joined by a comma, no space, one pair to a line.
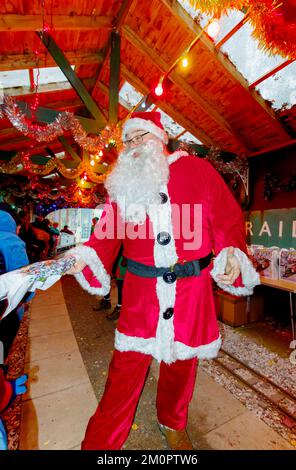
273,21
73,194
23,159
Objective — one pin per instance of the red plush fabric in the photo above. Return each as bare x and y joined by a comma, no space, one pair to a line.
5,391
108,428
192,181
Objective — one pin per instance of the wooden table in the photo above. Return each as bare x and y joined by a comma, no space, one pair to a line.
279,284
290,287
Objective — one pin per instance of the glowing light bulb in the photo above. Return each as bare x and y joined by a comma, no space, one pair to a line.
184,62
92,162
158,90
213,29
82,182
85,177
143,105
101,153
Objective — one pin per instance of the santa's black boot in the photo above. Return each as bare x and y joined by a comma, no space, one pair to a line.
115,314
104,304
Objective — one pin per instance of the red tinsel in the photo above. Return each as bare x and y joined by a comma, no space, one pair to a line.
274,26
274,21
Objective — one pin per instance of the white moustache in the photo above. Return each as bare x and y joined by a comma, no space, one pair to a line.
138,177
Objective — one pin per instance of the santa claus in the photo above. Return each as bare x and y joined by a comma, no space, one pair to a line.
171,212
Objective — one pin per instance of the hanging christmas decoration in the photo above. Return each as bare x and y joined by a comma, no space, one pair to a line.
65,121
272,185
274,26
23,160
273,21
31,189
238,165
216,7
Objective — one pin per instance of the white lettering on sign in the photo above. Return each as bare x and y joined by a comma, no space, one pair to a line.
249,226
281,228
265,229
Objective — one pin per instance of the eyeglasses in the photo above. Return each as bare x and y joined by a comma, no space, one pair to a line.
135,140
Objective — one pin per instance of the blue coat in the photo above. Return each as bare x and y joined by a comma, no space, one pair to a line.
12,248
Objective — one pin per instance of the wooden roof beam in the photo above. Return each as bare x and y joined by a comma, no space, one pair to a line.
30,61
167,108
120,18
44,88
13,23
114,77
175,77
179,12
289,143
105,89
270,73
25,146
71,76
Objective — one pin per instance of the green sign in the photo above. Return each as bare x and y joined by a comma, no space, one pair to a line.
276,227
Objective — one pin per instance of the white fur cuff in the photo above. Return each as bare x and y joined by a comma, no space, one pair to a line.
250,277
90,257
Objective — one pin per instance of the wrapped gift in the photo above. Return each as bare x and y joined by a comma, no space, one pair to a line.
250,253
287,265
266,261
15,284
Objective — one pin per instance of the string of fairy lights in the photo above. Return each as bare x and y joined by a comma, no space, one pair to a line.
90,170
212,28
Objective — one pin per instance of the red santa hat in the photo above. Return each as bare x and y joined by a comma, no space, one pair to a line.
146,121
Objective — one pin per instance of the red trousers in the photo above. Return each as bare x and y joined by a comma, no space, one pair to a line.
5,391
109,427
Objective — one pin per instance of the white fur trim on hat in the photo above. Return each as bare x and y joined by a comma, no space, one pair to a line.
145,125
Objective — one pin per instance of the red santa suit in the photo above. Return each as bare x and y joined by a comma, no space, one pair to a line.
192,329
173,323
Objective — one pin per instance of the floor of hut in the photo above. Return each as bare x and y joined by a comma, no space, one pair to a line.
69,347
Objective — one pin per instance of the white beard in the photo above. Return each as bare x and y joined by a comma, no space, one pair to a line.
137,179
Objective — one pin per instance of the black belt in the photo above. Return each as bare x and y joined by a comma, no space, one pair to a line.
171,274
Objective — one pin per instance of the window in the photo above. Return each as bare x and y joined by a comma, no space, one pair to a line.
280,89
50,75
187,137
171,127
243,50
14,78
130,95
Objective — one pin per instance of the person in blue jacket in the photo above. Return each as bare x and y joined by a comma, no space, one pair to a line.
12,256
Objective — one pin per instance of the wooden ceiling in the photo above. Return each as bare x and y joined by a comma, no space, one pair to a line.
210,99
